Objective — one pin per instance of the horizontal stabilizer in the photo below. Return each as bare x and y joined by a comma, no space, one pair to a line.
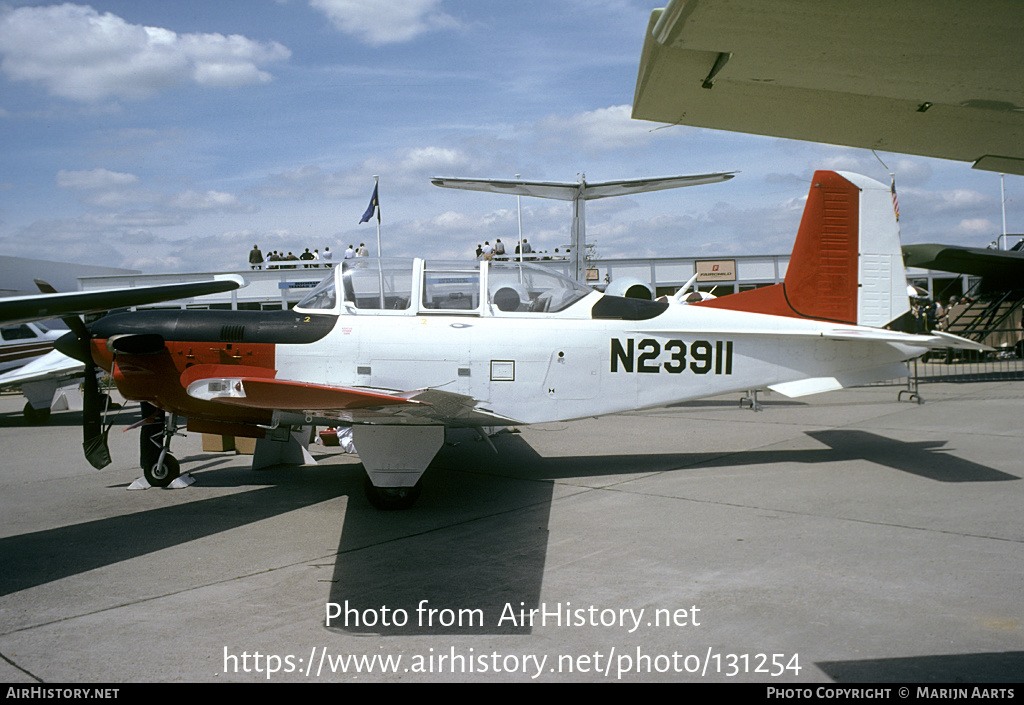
934,340
855,378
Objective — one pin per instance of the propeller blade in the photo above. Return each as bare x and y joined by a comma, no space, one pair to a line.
94,436
76,344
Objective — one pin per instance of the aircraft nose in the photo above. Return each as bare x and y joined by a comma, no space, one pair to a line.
73,346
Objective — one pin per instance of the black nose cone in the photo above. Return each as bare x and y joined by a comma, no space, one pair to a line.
74,347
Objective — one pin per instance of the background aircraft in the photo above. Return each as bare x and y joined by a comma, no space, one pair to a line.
28,361
21,343
937,79
401,350
40,378
579,193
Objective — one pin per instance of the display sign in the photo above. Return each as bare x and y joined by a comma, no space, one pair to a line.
722,270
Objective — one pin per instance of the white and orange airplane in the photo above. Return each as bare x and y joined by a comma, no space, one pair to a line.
401,350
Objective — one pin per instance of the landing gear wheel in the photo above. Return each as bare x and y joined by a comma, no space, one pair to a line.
35,416
388,498
162,474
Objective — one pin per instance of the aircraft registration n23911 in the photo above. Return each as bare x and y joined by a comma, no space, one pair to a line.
403,349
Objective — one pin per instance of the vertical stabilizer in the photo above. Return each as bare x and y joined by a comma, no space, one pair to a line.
846,265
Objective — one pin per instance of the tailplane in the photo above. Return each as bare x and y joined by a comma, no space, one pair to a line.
846,265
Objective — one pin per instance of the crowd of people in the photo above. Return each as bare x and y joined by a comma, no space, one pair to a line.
487,251
931,315
280,260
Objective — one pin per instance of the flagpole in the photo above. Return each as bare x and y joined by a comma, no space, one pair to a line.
519,210
376,183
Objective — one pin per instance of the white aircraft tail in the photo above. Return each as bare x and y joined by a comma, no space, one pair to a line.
846,266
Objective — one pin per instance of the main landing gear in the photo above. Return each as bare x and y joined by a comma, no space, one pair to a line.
34,416
394,458
387,498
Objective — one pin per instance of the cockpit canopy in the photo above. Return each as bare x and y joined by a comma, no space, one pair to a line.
417,286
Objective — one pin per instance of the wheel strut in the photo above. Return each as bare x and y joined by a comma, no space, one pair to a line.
165,469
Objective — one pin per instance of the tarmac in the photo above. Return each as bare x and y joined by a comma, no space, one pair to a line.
842,538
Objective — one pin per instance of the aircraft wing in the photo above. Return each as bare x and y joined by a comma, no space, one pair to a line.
937,79
351,404
38,307
568,191
53,365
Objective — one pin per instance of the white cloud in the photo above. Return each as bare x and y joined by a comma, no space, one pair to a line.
193,201
378,23
95,179
432,159
79,54
977,226
604,128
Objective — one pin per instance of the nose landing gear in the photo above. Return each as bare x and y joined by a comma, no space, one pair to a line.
159,467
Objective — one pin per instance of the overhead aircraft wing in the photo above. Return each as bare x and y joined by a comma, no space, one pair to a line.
38,307
978,261
568,190
936,79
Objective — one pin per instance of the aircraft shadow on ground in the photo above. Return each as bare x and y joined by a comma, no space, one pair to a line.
475,544
953,671
486,551
44,556
68,419
58,419
927,459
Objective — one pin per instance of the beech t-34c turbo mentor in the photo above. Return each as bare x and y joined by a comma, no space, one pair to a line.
402,350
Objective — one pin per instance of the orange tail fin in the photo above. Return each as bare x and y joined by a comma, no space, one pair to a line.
846,265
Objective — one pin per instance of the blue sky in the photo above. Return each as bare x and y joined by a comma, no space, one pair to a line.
172,136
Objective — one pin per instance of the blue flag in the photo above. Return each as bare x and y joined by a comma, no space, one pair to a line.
374,206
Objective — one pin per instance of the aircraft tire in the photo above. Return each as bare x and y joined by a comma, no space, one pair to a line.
390,498
34,416
159,475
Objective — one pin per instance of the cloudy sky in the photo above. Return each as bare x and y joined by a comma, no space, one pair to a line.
172,136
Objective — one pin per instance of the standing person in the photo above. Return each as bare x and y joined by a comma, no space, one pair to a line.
941,315
488,250
350,252
306,256
255,258
526,247
479,251
362,251
328,257
316,257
